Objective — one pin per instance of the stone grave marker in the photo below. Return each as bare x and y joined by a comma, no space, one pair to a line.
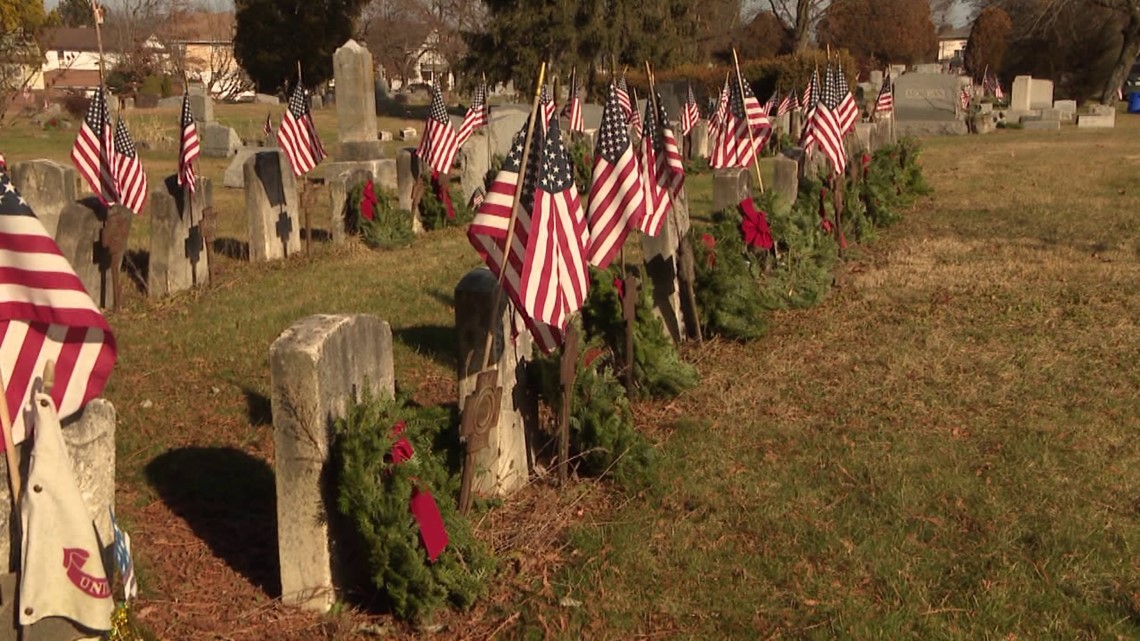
271,203
80,237
1041,125
787,179
407,133
1020,94
265,99
318,367
386,136
1102,118
591,116
700,138
506,120
503,466
48,186
339,188
356,103
926,97
407,173
1068,108
473,163
178,257
235,172
1040,94
201,104
219,141
730,186
662,266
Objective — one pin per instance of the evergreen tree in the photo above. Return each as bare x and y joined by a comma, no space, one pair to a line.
988,41
273,35
75,13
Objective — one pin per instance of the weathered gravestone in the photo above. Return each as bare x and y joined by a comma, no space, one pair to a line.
730,186
591,116
1041,125
662,266
202,105
474,163
178,257
700,138
407,133
235,172
265,99
271,203
356,103
928,68
1040,94
219,141
928,103
339,188
83,238
506,120
48,187
408,170
1019,99
503,465
787,179
1067,108
862,143
318,367
1099,117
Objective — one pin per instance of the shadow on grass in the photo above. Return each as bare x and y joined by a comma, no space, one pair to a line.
229,500
437,342
447,298
319,235
232,248
259,407
136,263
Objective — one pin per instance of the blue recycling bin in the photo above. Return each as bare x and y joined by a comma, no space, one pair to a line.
1134,102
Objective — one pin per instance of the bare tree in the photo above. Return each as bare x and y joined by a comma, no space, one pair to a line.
800,17
395,32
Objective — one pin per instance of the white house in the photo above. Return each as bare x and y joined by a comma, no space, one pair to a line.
952,44
429,65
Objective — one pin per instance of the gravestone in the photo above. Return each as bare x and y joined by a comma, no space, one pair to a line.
592,115
265,99
474,163
700,138
1020,94
1052,114
48,186
1068,108
202,106
506,120
318,369
339,188
219,141
1040,94
861,142
386,136
271,203
408,171
730,186
178,258
356,103
502,466
407,133
1041,125
876,79
787,179
929,68
927,97
663,268
235,172
1102,120
316,101
79,236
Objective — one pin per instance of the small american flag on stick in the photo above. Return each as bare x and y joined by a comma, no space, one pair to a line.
189,148
476,116
45,314
130,179
297,134
440,141
91,153
623,99
617,200
886,99
268,126
573,109
690,113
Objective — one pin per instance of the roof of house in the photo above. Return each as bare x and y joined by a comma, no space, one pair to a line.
87,39
71,79
958,33
199,27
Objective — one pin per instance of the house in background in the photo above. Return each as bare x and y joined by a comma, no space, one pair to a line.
952,45
71,56
429,65
202,44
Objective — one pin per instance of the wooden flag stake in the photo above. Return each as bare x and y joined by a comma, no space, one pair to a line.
498,295
304,182
747,123
14,483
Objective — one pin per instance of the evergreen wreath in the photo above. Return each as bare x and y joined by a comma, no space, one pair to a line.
603,439
803,274
390,227
374,494
727,292
433,212
658,370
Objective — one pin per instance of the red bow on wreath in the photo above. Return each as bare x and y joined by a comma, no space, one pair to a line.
424,510
754,226
824,223
866,165
710,244
368,202
442,192
619,284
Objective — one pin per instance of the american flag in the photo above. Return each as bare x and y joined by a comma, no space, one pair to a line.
886,100
811,92
268,126
130,179
720,113
91,152
965,96
476,116
998,93
573,108
785,104
297,134
440,142
546,276
826,130
189,149
735,146
3,163
657,202
623,99
477,198
810,101
548,106
617,200
45,314
847,112
690,113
